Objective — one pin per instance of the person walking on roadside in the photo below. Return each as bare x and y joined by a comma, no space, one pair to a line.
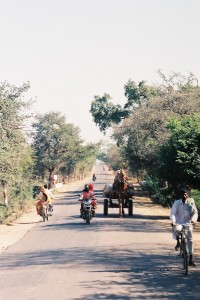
184,212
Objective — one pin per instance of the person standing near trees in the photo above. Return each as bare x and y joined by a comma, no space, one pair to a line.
184,212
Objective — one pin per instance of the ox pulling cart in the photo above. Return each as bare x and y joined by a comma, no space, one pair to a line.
118,199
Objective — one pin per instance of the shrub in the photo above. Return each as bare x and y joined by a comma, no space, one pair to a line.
158,195
196,195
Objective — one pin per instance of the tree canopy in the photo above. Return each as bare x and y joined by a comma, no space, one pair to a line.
142,132
180,155
56,143
15,154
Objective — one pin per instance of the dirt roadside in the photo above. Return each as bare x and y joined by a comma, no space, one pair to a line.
9,235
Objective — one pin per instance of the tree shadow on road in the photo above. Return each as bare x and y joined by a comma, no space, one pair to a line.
134,274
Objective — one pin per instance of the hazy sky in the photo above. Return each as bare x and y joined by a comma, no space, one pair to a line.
72,50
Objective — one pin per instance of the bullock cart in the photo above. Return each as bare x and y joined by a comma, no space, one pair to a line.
118,199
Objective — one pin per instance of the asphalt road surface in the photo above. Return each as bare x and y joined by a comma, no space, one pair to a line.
112,258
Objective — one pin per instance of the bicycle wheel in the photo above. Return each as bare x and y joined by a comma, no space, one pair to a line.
185,258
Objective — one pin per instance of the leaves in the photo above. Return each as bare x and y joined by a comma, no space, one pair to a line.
12,116
56,142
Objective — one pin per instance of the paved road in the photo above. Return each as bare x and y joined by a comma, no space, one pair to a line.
113,258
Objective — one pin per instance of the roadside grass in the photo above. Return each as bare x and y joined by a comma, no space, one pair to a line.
14,210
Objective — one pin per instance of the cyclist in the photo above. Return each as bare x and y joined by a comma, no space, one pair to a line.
51,196
184,211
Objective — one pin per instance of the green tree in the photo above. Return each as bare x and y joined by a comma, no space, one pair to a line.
105,113
115,157
138,94
56,143
180,155
87,157
144,131
13,115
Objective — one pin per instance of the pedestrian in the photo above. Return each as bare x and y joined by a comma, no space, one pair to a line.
184,212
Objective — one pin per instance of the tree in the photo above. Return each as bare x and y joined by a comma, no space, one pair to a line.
87,158
56,143
144,131
180,155
105,113
138,95
13,114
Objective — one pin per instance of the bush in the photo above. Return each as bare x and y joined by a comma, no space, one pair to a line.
196,195
158,195
151,184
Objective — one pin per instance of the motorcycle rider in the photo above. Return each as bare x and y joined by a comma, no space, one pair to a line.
93,200
86,194
94,177
42,198
51,196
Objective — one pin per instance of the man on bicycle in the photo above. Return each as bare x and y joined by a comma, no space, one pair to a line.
184,211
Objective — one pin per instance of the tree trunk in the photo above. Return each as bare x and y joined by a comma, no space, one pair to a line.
5,196
51,180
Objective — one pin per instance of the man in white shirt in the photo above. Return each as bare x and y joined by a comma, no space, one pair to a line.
184,211
49,193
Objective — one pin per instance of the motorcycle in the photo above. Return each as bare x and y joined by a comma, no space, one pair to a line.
87,210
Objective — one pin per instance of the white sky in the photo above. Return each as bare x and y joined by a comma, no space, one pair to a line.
71,50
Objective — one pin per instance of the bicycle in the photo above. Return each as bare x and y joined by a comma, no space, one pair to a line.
183,235
184,247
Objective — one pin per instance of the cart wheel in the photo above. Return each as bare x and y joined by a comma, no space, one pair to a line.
130,207
105,207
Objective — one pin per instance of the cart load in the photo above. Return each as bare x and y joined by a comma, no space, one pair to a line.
112,199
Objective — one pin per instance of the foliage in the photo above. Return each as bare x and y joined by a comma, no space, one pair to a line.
111,154
56,143
15,155
138,94
105,113
180,155
58,147
146,145
87,158
115,157
196,195
158,194
144,132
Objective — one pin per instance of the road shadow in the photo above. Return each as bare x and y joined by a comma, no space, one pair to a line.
110,224
144,274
